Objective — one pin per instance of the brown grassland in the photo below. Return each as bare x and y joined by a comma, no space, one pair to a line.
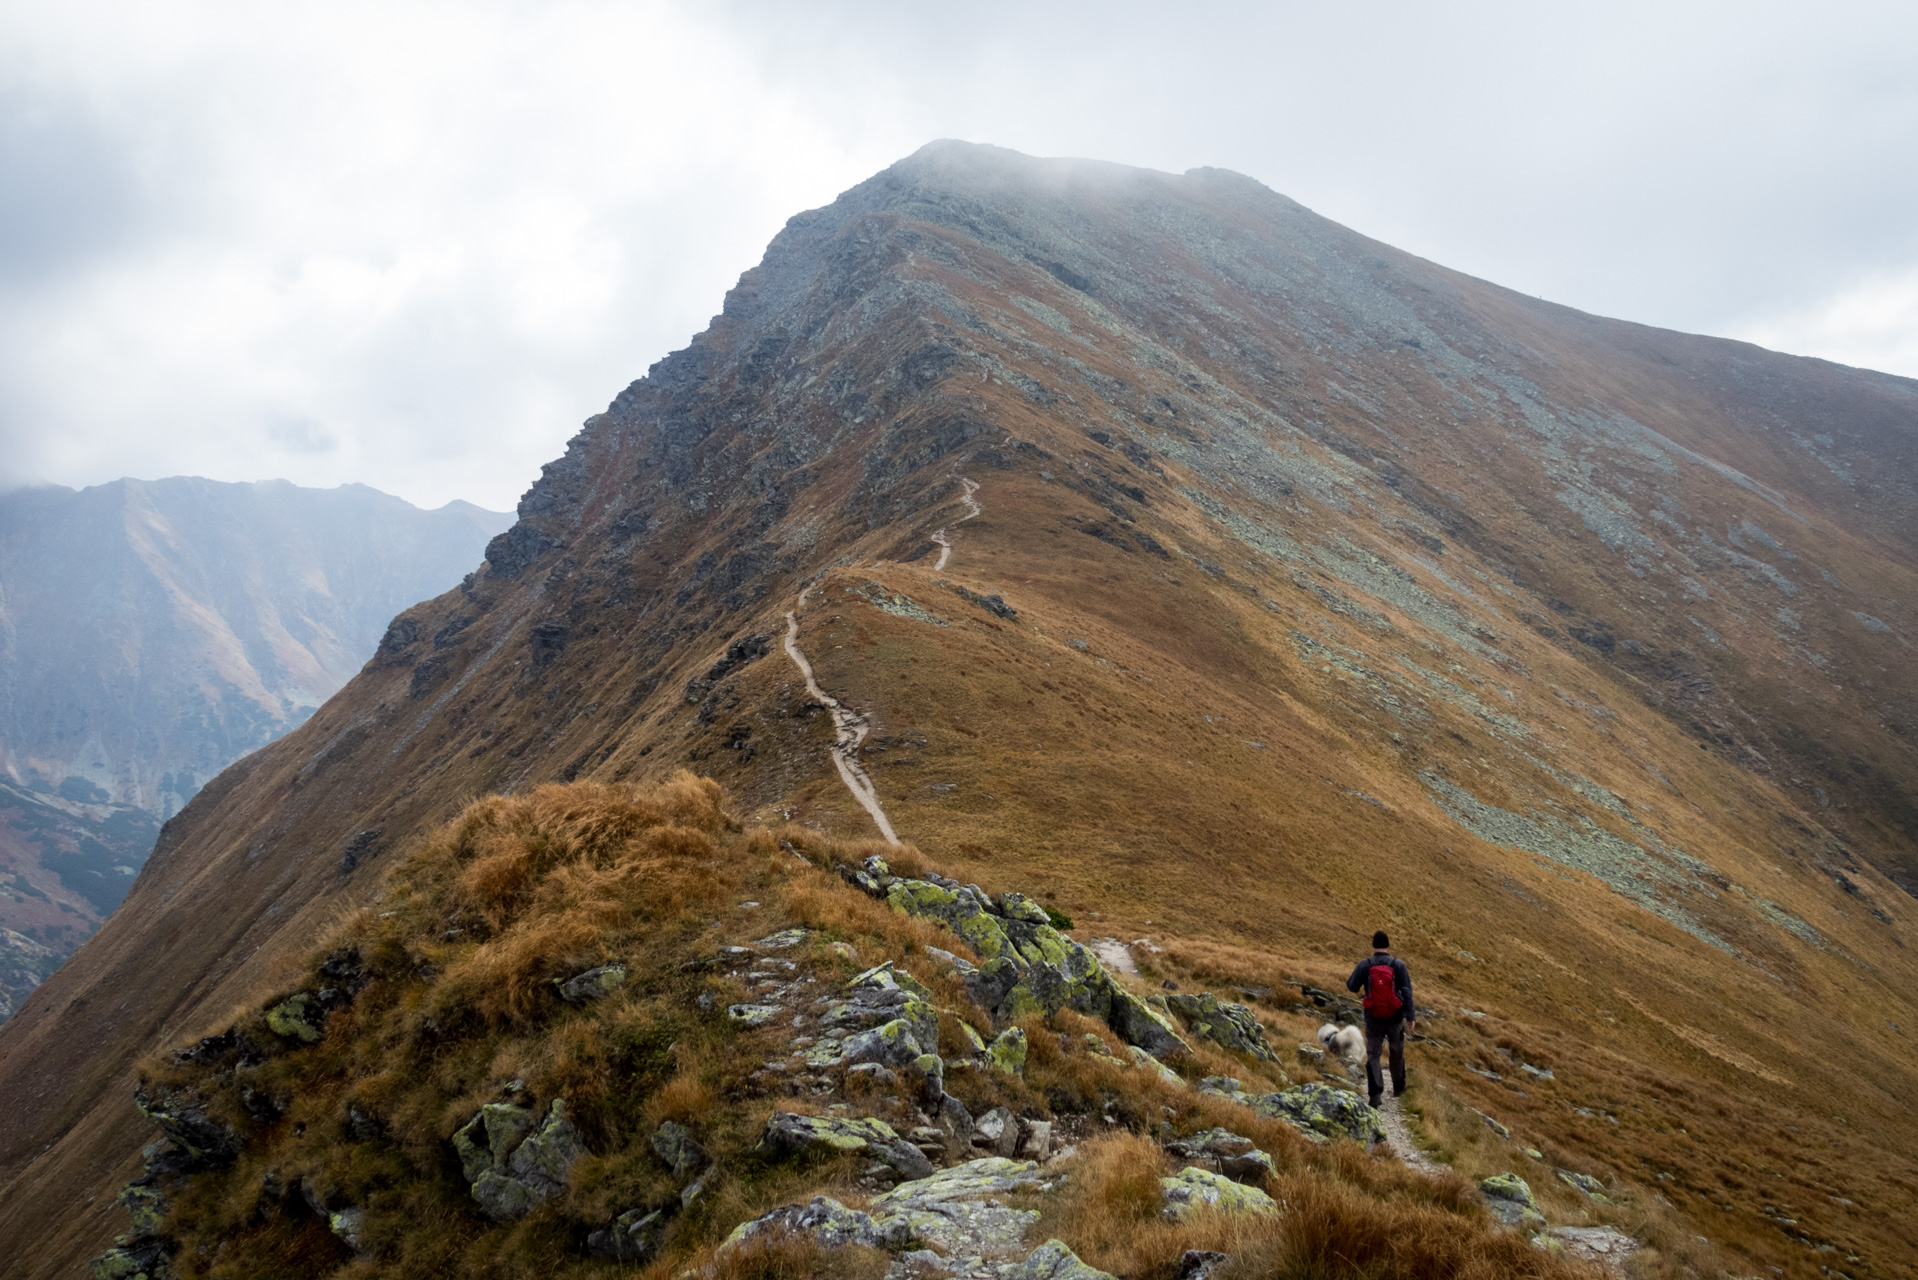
566,877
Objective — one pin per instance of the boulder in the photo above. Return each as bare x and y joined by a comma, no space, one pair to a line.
871,1002
893,1044
1223,1151
633,1237
873,1139
829,1222
1511,1201
512,1165
752,1015
1320,1112
1007,1052
999,1129
1229,1025
1193,1188
347,1224
673,1142
1054,1261
1312,1055
594,984
142,1260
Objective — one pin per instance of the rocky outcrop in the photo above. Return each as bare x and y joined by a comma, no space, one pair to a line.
202,1142
1319,1111
1054,1261
839,1135
1231,1026
515,1162
1192,1189
1222,1151
1027,966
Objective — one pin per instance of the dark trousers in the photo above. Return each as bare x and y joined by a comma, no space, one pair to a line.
1377,1036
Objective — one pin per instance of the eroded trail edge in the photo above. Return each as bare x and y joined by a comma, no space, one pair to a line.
972,509
849,730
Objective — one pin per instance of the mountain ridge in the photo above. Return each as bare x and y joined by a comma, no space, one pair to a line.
1305,549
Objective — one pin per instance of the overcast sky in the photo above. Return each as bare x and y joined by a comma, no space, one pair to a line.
414,245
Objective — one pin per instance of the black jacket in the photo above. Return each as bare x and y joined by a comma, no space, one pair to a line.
1358,979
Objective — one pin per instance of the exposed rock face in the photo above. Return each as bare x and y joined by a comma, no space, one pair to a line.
1029,967
1319,1111
1222,1151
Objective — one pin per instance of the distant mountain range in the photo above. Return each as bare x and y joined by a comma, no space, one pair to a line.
153,632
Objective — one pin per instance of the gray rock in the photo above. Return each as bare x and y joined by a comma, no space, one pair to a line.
1000,1130
752,1015
673,1142
829,1222
204,1143
872,1073
513,1170
1584,1183
633,1237
1223,1151
961,1210
1511,1201
873,1139
1229,1025
1054,1261
1319,1111
1007,1052
594,984
1193,1188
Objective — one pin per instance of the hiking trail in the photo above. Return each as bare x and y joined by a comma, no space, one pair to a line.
973,509
849,726
1398,1137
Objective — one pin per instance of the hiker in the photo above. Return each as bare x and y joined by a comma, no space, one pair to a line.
1389,1013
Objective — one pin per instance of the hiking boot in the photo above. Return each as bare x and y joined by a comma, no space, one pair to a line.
1376,1099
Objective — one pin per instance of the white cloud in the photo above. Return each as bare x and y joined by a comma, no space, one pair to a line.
1872,325
413,244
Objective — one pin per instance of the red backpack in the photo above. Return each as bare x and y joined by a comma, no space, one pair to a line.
1382,992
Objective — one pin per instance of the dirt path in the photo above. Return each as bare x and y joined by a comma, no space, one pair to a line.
1114,955
972,509
849,730
1398,1137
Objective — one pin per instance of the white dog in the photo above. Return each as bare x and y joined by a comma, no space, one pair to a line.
1344,1042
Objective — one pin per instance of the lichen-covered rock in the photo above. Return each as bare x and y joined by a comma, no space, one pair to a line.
1585,1184
347,1224
594,984
1193,1188
892,1045
1054,1261
870,1002
873,1139
831,1223
961,1209
512,1165
673,1142
146,1205
142,1260
1312,1055
1231,1026
204,1143
1225,1152
633,1237
298,1017
487,1140
752,1015
783,939
1511,1201
1203,1264
1007,1052
1029,967
1318,1111
1140,1058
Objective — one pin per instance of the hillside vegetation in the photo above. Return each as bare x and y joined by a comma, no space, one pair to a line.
331,1127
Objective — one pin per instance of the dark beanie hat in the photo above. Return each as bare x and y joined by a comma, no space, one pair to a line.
1380,941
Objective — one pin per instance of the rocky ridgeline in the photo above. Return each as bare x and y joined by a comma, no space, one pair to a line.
942,1175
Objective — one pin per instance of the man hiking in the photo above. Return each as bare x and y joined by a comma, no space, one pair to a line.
1389,1013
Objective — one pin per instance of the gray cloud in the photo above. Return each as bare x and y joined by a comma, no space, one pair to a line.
414,245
